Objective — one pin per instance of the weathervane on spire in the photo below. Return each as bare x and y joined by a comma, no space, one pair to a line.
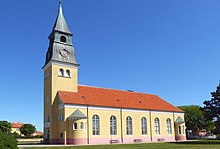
60,1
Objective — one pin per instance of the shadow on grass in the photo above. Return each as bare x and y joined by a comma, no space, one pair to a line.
199,142
30,143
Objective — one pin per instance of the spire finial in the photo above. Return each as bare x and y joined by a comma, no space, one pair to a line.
60,2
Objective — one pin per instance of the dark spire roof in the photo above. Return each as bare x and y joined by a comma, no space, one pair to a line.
77,115
179,120
60,24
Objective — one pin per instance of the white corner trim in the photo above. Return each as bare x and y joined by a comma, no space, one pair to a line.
161,112
61,106
47,65
75,106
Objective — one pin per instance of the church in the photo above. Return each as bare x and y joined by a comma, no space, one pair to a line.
79,114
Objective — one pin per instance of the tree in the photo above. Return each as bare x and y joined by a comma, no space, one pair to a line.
195,118
27,129
7,141
212,109
5,127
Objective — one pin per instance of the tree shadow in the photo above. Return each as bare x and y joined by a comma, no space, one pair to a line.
198,142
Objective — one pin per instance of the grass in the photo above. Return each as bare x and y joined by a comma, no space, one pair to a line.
203,144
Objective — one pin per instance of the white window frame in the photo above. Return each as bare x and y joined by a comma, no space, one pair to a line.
169,126
61,72
75,125
113,125
67,74
81,125
144,126
95,125
129,127
157,126
179,130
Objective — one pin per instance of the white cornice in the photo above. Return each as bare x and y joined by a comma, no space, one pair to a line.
60,64
61,106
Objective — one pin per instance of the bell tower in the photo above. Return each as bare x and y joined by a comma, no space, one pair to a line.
60,71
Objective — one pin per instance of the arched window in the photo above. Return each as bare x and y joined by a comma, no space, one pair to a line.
144,126
157,126
113,125
60,73
67,73
81,125
74,126
169,128
95,125
63,39
180,132
183,129
129,125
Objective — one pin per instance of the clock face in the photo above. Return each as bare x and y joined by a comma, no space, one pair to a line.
64,53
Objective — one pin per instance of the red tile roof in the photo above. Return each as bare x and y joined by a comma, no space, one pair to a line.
17,125
94,96
39,133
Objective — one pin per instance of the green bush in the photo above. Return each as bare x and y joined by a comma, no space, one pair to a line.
7,141
15,134
218,137
37,136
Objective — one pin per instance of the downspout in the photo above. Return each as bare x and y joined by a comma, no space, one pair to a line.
87,124
65,137
151,128
174,127
121,126
65,127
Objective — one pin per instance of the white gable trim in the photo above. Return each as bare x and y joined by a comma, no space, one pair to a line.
104,108
75,106
61,106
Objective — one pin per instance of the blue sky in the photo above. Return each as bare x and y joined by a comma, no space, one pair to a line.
170,48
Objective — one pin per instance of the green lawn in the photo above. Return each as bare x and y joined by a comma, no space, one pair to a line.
205,144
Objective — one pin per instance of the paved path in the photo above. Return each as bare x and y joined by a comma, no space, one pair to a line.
61,145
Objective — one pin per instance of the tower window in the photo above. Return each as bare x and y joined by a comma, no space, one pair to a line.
67,73
74,126
63,39
81,125
60,73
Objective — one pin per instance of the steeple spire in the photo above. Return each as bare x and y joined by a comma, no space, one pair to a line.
61,49
60,24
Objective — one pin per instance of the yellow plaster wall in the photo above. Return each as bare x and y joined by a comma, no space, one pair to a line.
47,97
15,130
69,124
64,83
104,116
163,124
52,85
136,123
176,115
